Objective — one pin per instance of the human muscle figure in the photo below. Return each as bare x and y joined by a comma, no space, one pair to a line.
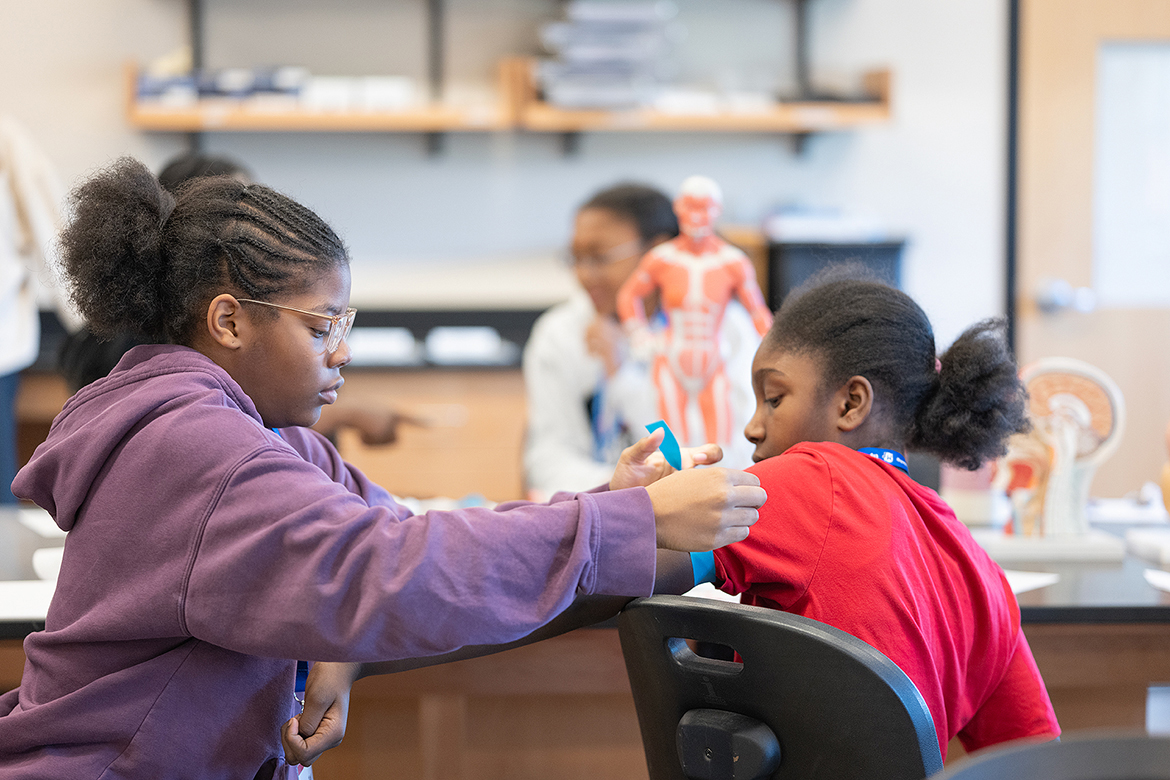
696,275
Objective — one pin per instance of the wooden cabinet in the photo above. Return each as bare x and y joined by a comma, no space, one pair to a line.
560,708
38,401
473,444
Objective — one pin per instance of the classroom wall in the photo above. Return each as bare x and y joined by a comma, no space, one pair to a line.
935,173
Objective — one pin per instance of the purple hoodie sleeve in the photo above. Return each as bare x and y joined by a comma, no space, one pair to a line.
316,449
293,564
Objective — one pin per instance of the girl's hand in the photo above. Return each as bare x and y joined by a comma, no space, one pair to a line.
322,724
641,464
701,509
605,340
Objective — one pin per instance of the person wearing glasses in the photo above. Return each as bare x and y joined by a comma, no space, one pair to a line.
586,400
214,539
84,357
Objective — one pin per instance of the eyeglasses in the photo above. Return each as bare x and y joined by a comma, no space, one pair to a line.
339,324
601,259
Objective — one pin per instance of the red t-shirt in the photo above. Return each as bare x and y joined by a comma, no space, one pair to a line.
854,542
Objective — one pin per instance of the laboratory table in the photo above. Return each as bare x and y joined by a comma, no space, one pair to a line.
1101,637
562,708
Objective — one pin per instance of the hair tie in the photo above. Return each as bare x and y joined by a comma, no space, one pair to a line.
937,366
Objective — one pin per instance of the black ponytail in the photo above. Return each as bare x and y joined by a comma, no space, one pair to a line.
979,401
112,249
139,260
857,326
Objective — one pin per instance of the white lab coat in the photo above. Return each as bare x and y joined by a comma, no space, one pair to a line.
31,198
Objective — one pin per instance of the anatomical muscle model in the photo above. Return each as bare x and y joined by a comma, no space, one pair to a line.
695,275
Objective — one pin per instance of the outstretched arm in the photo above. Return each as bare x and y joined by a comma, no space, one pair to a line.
749,294
675,574
631,305
322,725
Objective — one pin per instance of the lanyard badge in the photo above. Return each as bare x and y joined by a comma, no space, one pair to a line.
887,456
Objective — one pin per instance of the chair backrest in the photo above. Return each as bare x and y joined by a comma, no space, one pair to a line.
1101,756
837,707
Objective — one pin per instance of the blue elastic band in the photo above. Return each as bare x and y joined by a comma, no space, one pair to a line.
669,446
703,565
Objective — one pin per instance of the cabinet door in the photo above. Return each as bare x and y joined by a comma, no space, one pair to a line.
1060,45
473,444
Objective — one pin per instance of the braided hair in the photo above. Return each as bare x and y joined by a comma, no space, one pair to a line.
193,165
646,208
139,259
961,406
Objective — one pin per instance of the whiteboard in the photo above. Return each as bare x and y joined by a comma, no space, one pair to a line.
1131,176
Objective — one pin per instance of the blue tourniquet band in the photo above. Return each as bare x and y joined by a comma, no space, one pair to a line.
887,456
703,565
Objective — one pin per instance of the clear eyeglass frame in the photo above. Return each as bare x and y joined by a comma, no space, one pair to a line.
600,260
339,324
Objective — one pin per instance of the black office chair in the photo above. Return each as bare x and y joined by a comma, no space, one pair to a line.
1100,756
808,700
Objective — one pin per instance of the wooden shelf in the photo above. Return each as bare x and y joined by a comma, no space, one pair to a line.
792,117
519,108
227,114
208,116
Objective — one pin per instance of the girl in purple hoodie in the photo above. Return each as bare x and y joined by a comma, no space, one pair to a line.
214,539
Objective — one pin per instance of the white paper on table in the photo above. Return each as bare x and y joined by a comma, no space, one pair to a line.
40,522
1159,579
1153,544
1022,581
25,599
705,590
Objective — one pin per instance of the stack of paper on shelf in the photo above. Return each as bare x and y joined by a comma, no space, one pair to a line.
608,54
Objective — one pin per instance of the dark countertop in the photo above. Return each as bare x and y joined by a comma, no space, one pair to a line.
1094,593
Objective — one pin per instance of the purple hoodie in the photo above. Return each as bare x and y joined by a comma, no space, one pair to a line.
206,554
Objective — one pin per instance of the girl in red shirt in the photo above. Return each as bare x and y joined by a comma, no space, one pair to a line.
846,381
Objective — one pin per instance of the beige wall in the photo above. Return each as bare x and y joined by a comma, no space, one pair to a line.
935,172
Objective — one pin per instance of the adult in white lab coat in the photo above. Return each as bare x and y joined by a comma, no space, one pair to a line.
30,215
586,399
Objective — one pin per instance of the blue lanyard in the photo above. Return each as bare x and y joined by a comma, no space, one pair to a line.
887,456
